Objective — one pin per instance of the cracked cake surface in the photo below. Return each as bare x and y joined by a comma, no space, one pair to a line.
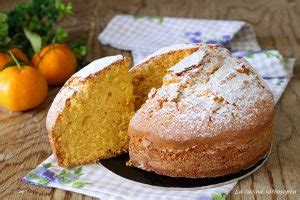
150,71
207,93
210,103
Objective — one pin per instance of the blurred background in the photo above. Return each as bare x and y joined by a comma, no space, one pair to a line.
275,22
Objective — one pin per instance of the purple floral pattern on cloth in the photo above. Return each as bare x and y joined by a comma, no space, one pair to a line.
42,175
205,197
48,174
194,37
198,37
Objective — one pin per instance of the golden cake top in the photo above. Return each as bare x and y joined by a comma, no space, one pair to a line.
206,94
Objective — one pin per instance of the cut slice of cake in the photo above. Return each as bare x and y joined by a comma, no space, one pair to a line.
149,72
89,117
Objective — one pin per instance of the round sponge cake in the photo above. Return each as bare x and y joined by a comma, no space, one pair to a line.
212,116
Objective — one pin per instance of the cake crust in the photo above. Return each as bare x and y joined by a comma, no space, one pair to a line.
224,154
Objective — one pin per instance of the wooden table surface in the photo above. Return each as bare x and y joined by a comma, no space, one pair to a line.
23,138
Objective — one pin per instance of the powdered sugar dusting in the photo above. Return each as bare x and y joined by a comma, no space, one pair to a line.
191,60
168,49
207,93
58,104
97,65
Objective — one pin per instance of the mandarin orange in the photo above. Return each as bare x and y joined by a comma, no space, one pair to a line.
56,62
22,88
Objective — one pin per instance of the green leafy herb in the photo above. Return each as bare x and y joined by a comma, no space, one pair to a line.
64,9
3,26
80,50
30,26
60,35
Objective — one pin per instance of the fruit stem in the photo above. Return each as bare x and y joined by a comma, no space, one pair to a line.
15,59
53,40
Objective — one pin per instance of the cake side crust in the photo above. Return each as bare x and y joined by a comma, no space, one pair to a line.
212,157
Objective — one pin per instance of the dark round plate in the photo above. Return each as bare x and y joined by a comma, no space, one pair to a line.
118,166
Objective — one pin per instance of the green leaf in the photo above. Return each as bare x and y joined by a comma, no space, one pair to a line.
160,19
270,54
137,17
219,196
234,34
78,184
43,182
78,171
64,9
31,175
34,39
285,59
275,55
278,82
3,26
60,35
250,55
68,174
64,173
67,181
3,17
267,54
47,165
79,49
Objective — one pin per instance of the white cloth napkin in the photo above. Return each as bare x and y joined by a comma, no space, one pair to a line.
148,34
97,181
142,36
